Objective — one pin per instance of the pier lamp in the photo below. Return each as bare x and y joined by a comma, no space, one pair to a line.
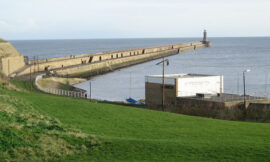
163,71
244,83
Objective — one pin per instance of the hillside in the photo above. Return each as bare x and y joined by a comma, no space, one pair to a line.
133,134
10,59
28,135
6,49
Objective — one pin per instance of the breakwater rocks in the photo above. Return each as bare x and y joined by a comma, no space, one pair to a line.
92,64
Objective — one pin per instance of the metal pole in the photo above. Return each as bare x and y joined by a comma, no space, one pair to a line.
8,72
37,63
163,95
8,68
220,85
34,64
129,84
266,77
30,79
244,83
90,88
238,83
163,81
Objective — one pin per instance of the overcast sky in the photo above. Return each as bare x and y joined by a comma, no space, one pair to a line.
83,19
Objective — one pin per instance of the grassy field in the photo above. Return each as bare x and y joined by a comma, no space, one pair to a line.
133,134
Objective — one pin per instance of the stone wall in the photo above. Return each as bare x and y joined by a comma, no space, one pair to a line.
10,64
153,95
258,110
10,59
114,63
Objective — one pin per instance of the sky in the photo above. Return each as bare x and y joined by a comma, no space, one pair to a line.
91,19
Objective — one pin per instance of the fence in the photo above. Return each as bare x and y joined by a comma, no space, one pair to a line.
56,91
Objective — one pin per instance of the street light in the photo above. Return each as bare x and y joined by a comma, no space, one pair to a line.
163,71
244,82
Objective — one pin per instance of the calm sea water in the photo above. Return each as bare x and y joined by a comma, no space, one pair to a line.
227,56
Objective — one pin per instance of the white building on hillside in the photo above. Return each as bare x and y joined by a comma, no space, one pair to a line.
185,85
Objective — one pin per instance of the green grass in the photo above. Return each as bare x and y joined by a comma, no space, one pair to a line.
134,134
26,134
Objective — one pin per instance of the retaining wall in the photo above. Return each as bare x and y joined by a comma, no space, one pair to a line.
10,59
8,65
257,109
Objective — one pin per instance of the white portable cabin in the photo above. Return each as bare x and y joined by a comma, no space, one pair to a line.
190,84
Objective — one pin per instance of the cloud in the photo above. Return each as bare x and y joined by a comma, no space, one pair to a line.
4,26
132,18
28,25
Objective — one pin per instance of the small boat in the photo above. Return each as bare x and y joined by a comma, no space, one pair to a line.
131,100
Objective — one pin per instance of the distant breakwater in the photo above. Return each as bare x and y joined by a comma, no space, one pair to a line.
92,64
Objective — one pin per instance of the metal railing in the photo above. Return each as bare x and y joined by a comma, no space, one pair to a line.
57,91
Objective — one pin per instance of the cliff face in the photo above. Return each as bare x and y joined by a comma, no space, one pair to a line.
10,59
7,50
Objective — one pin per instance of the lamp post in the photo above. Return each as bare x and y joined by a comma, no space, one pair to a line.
163,80
90,89
244,83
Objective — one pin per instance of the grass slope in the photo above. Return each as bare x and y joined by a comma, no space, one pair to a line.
28,135
133,134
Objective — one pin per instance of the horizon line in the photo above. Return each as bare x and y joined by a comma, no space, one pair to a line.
134,38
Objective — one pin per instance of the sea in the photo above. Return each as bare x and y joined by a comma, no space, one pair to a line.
227,56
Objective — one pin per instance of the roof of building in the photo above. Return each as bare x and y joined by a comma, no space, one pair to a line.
226,97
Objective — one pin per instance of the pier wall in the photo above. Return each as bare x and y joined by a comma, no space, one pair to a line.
89,62
109,65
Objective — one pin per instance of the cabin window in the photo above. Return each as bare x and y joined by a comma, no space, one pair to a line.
112,56
168,87
100,58
121,54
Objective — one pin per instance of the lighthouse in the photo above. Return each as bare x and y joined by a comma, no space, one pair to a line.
205,40
205,36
